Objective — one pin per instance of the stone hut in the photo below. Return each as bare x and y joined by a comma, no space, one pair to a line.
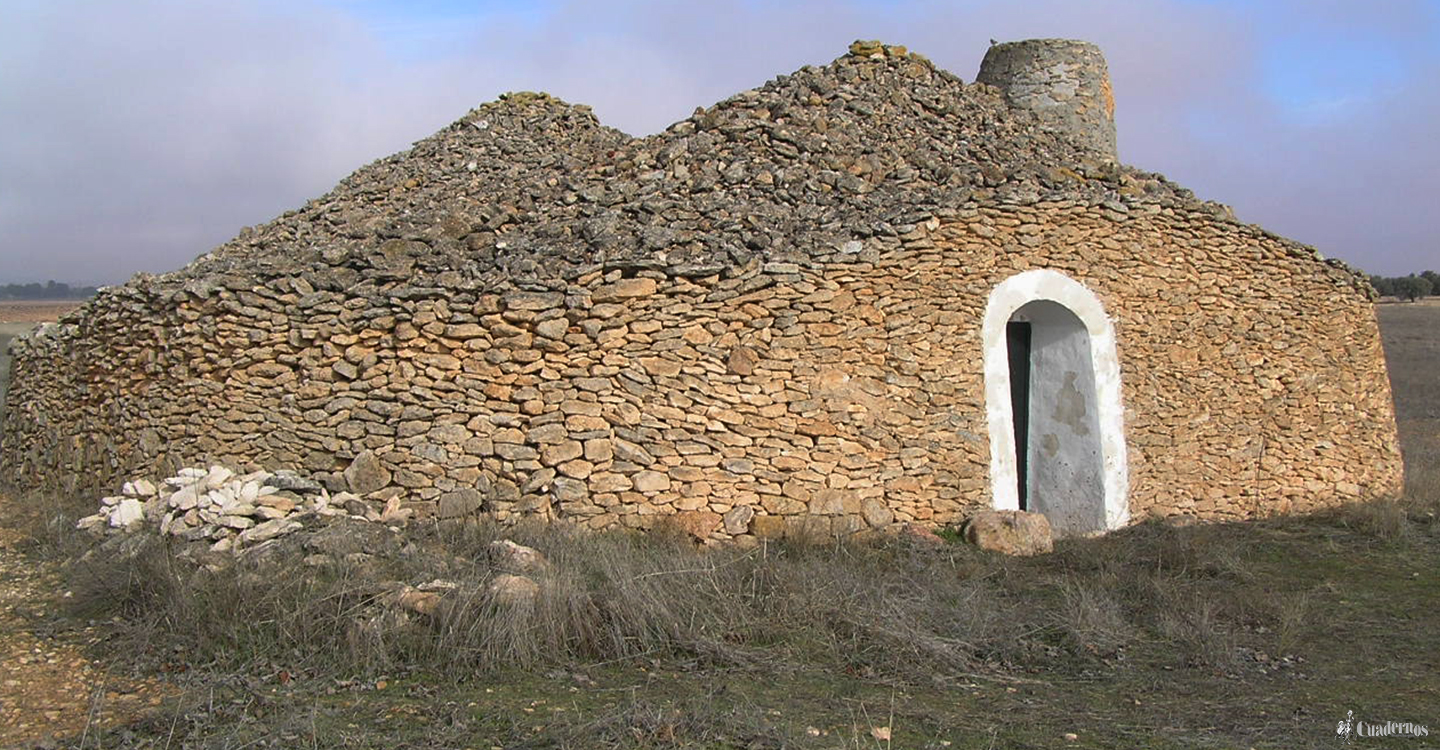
861,295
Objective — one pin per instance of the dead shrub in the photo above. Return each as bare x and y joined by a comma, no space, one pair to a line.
1294,614
234,615
1205,551
1195,623
891,608
1092,616
1386,519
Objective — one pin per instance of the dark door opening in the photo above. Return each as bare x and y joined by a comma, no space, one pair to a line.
1017,335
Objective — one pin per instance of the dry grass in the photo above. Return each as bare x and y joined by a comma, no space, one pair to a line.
1152,604
1092,616
1258,634
895,610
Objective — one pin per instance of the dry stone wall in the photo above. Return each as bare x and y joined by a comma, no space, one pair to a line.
834,394
764,321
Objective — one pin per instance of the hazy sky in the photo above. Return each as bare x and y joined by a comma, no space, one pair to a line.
135,136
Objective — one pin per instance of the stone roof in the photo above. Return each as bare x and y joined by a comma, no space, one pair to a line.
528,190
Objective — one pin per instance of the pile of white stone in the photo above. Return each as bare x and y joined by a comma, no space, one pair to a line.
216,505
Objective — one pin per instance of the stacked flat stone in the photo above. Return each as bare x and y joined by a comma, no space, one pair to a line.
533,191
215,505
763,321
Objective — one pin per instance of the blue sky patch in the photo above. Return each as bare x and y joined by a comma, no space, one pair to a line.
1330,77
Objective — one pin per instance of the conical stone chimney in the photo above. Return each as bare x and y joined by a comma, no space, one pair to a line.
1064,81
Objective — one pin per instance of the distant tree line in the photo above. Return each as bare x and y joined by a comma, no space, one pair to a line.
1410,287
48,290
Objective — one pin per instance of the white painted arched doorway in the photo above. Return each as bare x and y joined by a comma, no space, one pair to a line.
1052,399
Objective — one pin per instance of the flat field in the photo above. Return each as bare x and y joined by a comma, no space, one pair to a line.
1263,634
35,311
1411,332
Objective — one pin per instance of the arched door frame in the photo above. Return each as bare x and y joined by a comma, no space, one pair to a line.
1009,296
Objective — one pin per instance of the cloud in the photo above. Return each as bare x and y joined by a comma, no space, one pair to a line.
139,135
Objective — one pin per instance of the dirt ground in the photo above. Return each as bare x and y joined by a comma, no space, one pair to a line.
49,686
35,311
